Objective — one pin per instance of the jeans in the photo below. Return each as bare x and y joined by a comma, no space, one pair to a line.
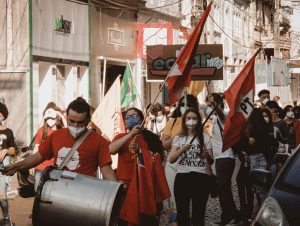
224,170
258,161
193,187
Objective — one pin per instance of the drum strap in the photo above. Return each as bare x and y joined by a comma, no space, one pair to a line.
74,148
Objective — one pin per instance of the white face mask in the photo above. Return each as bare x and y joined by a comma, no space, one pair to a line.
1,121
191,123
267,119
290,114
76,131
160,118
265,101
50,122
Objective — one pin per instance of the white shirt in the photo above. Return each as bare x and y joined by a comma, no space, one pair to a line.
217,141
190,161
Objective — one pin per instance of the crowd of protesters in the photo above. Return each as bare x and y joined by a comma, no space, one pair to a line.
181,143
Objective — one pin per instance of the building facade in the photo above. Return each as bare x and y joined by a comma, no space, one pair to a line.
58,50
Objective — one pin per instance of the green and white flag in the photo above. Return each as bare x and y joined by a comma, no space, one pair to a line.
128,89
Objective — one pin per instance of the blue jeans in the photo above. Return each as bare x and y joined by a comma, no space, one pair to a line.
258,161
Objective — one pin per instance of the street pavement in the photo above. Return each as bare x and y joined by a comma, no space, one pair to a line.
19,208
213,210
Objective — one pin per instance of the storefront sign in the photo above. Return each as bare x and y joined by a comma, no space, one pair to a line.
207,65
62,25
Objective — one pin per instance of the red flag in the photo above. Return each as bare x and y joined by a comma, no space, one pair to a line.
179,76
240,99
130,208
161,188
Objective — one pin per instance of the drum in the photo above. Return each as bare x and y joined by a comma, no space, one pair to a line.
65,198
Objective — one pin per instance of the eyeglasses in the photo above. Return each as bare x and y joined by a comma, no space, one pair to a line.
131,116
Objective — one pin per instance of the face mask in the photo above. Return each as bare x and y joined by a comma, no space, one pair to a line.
290,114
160,118
191,123
131,122
76,131
265,101
267,119
50,122
1,121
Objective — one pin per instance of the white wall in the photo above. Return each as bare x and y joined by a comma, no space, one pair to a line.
50,43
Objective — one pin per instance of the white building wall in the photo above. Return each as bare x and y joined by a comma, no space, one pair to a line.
50,43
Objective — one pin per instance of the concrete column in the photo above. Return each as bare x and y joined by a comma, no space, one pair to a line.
83,82
45,87
70,92
36,93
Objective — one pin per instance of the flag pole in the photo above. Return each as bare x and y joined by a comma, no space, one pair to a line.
205,121
134,83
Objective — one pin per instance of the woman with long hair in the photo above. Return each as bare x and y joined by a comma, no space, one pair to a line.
173,128
260,134
53,119
139,146
193,169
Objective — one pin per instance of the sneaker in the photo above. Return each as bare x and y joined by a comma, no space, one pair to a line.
6,222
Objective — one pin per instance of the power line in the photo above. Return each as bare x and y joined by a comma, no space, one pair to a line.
247,14
158,7
263,46
228,35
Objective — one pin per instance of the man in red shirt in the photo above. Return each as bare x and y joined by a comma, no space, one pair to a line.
91,153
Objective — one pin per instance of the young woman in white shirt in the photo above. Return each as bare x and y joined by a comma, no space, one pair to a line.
193,169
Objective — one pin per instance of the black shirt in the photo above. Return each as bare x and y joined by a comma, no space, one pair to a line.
7,139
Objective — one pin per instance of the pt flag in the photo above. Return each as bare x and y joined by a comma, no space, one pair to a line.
128,89
180,74
240,99
108,115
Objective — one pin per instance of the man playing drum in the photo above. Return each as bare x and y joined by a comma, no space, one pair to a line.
91,153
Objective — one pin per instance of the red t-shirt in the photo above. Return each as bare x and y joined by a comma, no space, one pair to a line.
125,162
91,153
38,140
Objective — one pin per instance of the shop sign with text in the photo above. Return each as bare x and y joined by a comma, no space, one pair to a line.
207,64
